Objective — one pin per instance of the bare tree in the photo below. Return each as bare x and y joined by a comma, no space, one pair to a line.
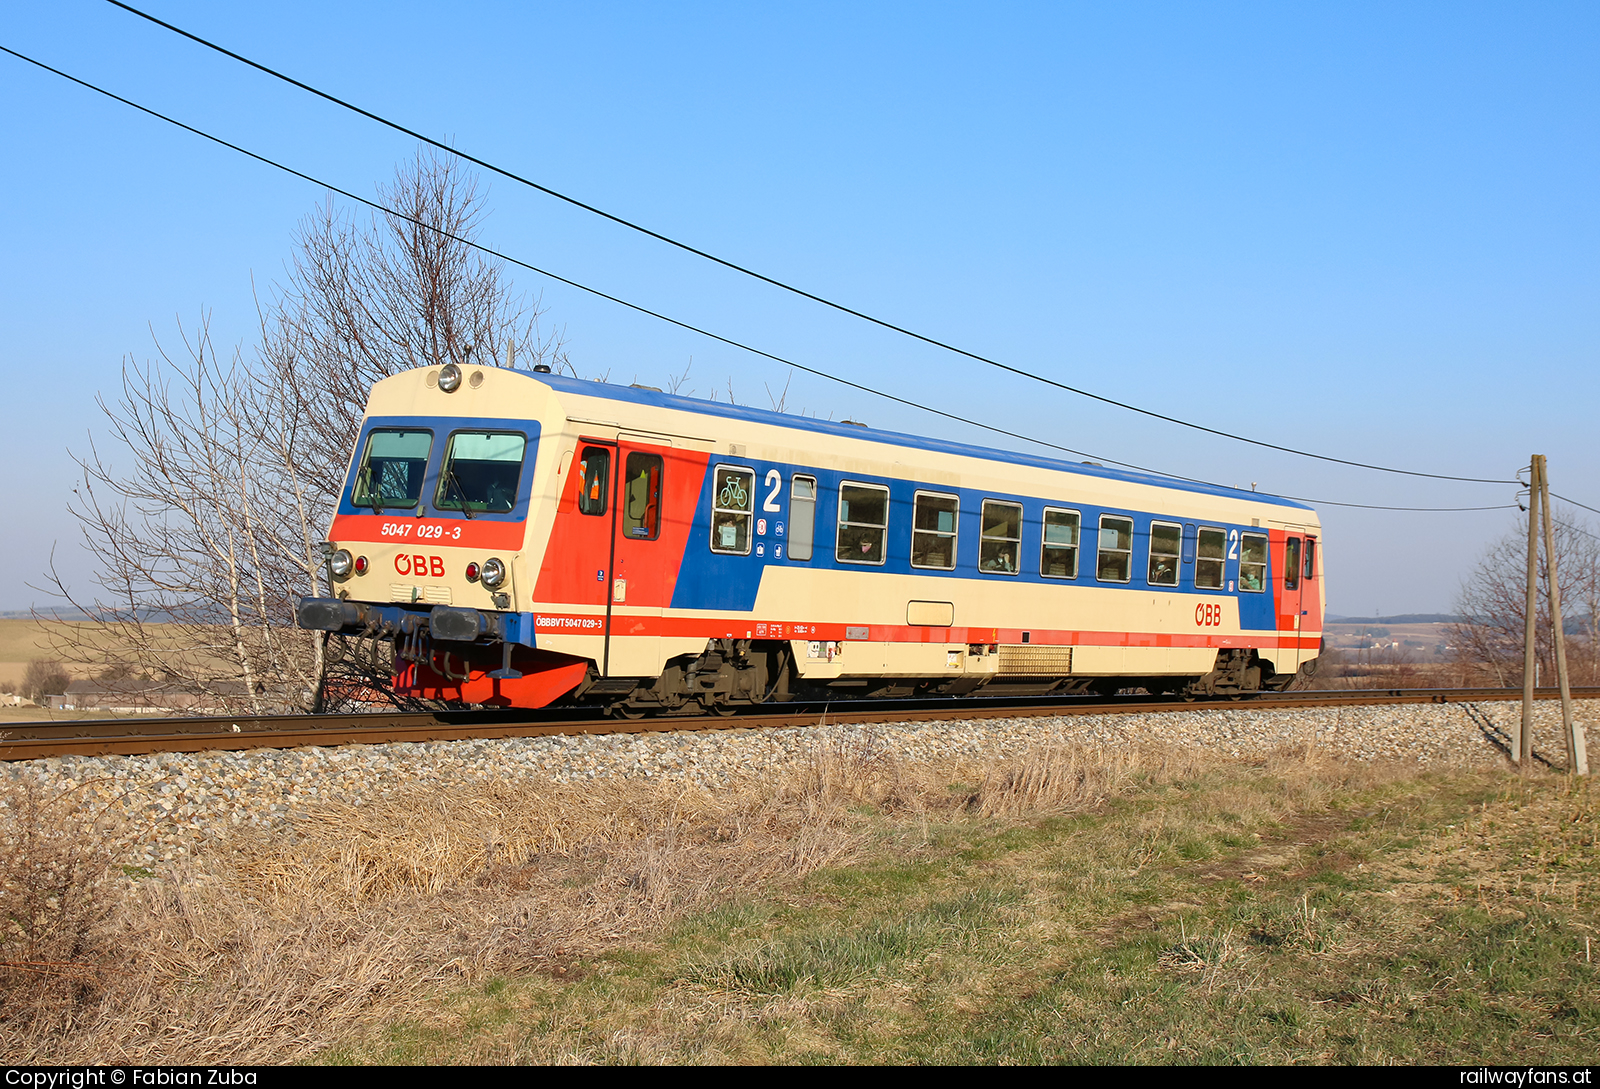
1492,604
210,528
369,298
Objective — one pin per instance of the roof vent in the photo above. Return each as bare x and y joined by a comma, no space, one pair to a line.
652,389
853,423
541,368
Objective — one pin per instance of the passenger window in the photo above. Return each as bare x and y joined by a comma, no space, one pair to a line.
863,523
802,516
391,470
1058,558
1208,566
933,531
732,500
1311,556
1291,564
1252,562
594,480
641,497
1115,562
1000,539
480,472
1165,542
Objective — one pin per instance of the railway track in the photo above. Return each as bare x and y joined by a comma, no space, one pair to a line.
132,736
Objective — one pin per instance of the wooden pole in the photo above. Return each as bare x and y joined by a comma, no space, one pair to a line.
1577,756
1523,743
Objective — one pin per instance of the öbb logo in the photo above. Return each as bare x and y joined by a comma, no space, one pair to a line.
1208,616
419,565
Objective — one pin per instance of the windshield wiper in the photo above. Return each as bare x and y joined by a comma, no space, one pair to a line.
374,500
450,477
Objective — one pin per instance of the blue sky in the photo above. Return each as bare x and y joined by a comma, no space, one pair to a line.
1365,230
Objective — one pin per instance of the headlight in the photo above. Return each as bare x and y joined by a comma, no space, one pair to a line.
450,378
340,563
494,573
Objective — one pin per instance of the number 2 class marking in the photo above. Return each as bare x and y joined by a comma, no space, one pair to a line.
775,482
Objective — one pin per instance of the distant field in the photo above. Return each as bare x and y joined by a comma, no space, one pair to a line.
1421,639
21,641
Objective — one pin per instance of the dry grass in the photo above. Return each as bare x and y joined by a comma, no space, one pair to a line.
854,908
267,948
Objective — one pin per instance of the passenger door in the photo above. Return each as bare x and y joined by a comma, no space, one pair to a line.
1291,587
641,580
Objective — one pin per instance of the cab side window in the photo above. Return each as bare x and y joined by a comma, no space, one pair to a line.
594,480
1291,564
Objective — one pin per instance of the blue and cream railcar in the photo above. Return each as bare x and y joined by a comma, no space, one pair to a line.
526,538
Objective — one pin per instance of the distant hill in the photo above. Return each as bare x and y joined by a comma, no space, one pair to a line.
1403,618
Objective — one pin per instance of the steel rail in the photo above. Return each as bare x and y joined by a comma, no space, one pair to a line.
33,740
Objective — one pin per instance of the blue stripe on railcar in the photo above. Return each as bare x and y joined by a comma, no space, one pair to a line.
657,399
713,580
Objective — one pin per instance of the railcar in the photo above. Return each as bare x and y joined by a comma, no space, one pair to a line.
524,539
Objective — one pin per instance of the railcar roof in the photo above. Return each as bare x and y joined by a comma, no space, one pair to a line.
635,395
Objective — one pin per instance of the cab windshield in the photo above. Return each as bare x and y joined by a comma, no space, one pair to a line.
391,469
481,471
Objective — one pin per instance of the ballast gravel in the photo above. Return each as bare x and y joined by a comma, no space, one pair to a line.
170,803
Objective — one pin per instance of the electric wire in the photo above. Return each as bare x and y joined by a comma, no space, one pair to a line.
841,307
1575,503
490,251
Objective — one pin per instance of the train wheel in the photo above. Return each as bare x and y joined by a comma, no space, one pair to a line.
624,711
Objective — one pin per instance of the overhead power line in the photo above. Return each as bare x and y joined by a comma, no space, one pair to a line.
490,251
780,284
1575,503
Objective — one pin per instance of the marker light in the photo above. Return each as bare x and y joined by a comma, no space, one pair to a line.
339,563
472,572
450,378
494,572
361,565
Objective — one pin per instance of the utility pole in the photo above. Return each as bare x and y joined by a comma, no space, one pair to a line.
1522,744
1577,754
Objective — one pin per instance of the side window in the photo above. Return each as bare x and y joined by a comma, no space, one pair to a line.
641,497
863,523
1208,567
933,531
1059,558
1000,541
594,480
802,516
732,501
1252,562
1311,556
1166,540
1115,562
1291,564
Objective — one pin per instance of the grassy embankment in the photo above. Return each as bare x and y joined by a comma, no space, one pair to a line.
1072,905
